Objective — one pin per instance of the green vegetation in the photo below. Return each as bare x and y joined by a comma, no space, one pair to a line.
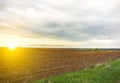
94,49
101,73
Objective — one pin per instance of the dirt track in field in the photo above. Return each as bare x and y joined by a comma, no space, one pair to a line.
27,65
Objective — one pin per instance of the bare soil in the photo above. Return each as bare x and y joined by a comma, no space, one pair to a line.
25,65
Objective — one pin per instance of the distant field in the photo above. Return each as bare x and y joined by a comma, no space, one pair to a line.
26,65
101,73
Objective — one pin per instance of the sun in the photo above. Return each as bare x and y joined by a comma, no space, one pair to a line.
12,45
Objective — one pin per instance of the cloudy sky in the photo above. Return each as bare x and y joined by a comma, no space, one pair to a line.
60,23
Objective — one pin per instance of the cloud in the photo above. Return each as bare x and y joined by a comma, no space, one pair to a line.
72,21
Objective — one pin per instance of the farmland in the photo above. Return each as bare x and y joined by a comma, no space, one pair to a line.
108,72
25,65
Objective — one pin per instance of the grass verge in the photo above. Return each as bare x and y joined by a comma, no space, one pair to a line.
101,73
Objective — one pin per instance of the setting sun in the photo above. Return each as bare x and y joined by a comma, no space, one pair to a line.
12,45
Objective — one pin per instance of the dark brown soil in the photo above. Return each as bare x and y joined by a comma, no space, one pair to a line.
27,65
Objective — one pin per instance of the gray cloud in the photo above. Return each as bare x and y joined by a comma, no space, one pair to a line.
71,20
2,4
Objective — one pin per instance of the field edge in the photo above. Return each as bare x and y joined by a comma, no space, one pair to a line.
107,72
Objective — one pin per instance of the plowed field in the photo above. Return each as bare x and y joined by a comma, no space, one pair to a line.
25,65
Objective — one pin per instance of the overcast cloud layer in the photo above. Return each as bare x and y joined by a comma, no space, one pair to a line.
74,23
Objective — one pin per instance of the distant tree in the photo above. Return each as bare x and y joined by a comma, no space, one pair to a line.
96,49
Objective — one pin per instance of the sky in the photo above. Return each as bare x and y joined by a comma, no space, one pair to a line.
60,23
